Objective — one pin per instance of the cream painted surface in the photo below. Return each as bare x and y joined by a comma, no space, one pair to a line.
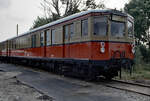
77,38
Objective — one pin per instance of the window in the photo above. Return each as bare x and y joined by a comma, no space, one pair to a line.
42,39
130,29
12,44
72,30
53,36
48,36
66,31
15,44
84,27
100,26
33,41
117,29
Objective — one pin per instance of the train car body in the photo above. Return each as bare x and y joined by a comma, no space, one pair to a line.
90,43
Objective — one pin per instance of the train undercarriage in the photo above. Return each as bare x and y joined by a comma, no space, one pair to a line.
86,69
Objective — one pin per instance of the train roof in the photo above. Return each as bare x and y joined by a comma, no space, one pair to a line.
111,11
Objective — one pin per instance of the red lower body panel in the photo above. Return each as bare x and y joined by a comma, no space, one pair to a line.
86,51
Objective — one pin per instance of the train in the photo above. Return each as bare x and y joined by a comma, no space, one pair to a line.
87,44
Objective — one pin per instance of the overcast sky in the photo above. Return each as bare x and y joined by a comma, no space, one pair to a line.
24,12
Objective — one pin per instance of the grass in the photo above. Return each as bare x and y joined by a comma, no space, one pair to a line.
140,72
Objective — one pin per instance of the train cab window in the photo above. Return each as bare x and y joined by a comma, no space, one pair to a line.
53,36
48,37
42,39
117,29
72,30
33,41
130,29
100,26
85,27
66,31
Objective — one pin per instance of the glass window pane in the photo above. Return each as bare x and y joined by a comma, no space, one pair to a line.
72,30
53,36
33,41
42,38
117,29
48,38
66,31
84,27
100,26
130,29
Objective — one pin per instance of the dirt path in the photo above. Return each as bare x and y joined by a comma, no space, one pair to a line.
12,90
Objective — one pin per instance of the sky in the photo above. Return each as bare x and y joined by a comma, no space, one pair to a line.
24,12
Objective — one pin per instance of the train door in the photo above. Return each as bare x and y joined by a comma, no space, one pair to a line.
66,39
43,43
7,50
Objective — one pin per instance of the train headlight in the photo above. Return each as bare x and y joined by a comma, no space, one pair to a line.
102,49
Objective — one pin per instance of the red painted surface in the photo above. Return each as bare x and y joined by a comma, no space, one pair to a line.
54,51
87,50
110,49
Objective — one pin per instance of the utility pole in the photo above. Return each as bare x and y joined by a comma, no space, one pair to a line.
17,30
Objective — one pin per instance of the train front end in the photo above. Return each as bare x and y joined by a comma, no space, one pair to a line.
113,44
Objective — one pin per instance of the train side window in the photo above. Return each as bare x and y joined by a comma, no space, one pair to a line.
66,31
72,30
53,35
42,39
33,41
48,37
100,26
84,27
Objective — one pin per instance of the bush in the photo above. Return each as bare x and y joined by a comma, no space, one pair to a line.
145,52
138,56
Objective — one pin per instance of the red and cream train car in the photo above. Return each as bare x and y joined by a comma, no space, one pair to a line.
90,43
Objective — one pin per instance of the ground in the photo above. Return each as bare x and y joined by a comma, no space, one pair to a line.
13,90
18,83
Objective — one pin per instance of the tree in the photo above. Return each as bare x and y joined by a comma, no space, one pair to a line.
140,10
91,4
40,21
56,9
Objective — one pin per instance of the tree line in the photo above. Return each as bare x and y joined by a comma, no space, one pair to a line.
56,9
140,10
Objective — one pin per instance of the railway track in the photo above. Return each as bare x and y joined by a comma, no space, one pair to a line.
131,87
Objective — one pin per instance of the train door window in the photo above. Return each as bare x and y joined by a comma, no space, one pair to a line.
15,43
12,45
72,30
130,29
85,27
100,26
48,37
53,36
42,39
66,31
33,41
